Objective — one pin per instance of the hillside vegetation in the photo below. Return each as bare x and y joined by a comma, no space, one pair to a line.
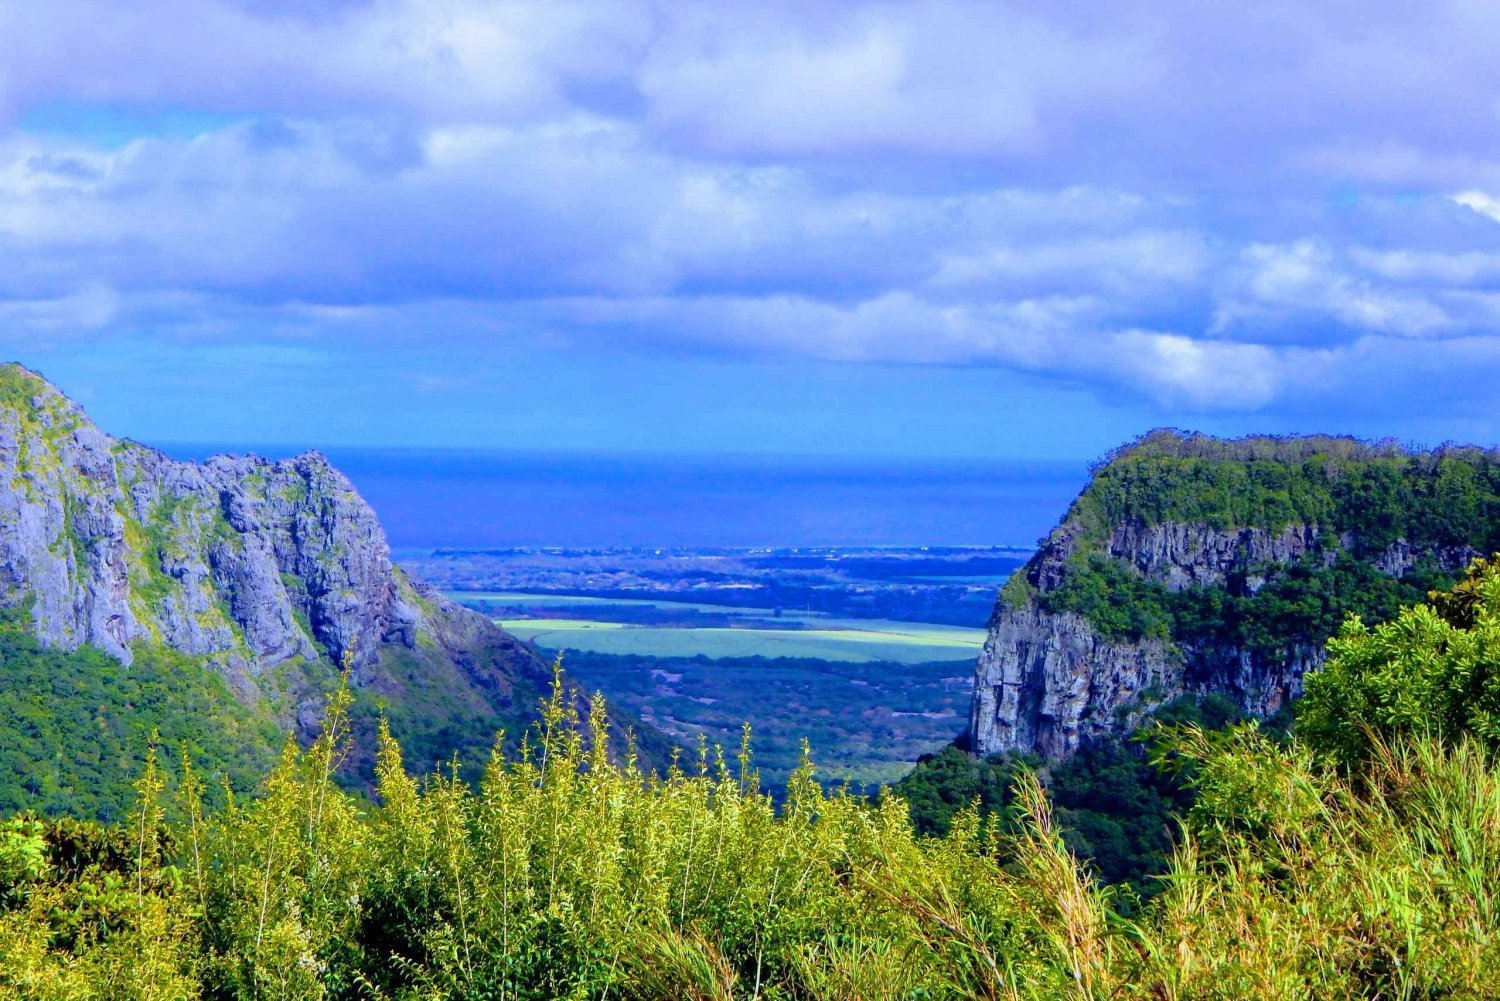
1299,602
74,725
1359,858
1381,492
1116,809
1362,498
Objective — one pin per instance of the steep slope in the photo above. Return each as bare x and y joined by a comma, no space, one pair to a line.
1191,565
264,574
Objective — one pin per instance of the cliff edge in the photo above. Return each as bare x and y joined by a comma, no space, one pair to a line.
1191,565
267,573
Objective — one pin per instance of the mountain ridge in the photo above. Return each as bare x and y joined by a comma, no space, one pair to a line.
269,573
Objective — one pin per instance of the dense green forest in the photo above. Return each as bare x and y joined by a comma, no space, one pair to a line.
1379,493
1359,857
74,725
1115,805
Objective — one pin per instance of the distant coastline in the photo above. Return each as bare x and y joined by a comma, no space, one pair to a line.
430,499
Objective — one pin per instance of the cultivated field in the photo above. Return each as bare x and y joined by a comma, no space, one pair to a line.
903,642
667,629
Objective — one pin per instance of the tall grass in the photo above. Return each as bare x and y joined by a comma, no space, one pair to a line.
561,873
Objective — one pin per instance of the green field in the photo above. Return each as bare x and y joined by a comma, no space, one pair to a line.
903,642
871,695
586,626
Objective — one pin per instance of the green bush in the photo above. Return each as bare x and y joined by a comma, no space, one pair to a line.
1120,603
1434,670
566,874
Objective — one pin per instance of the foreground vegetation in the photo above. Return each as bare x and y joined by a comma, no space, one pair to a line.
1358,859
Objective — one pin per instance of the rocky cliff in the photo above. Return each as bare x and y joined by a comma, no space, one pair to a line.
1190,565
269,573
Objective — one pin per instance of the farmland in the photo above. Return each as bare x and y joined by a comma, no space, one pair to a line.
865,722
688,629
870,695
835,640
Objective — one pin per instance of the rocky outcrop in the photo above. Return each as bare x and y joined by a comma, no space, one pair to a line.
243,559
1182,555
271,572
1046,683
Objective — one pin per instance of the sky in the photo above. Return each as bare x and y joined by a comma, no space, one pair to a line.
997,229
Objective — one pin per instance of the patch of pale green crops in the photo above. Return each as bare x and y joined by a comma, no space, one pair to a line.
906,643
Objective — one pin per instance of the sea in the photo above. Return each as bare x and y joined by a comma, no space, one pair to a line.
429,499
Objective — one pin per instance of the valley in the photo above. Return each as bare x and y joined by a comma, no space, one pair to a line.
168,624
674,635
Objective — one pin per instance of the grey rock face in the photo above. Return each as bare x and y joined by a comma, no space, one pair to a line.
249,561
1047,683
1195,555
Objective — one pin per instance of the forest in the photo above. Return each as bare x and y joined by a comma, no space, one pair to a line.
1376,492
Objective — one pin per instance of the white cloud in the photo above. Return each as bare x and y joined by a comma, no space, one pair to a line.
1479,201
943,78
1279,284
1460,268
1189,374
431,58
1150,201
1120,263
90,309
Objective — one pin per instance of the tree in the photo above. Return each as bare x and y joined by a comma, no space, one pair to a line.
1434,670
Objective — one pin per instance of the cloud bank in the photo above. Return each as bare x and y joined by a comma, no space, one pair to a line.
1276,206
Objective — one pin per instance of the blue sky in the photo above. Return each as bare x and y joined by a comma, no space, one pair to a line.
990,229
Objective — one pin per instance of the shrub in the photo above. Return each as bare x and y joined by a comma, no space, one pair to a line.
1433,670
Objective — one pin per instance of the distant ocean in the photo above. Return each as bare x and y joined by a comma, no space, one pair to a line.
430,499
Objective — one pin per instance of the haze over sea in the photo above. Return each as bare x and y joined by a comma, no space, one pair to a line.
433,498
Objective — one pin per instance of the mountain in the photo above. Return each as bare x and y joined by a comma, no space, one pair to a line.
231,588
1191,565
